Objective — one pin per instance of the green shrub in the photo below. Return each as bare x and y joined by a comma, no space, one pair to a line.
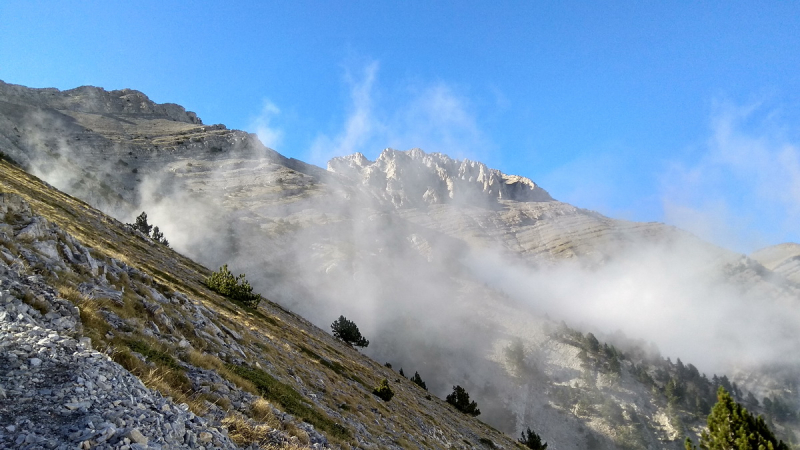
236,288
383,391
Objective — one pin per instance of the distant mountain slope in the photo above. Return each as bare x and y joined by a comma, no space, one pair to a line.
782,258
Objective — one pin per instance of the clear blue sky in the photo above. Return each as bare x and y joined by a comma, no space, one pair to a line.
683,112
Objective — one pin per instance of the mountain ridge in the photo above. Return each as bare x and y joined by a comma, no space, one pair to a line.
436,178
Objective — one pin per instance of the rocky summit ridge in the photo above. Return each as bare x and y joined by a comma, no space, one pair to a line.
91,99
414,178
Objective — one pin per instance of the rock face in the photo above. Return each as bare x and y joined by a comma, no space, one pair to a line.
782,258
414,178
94,100
57,392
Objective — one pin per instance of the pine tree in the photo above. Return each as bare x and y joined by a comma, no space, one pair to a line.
460,399
416,379
532,440
594,344
145,228
142,225
347,331
236,288
732,427
157,234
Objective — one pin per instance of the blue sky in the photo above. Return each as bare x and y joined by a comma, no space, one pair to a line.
681,112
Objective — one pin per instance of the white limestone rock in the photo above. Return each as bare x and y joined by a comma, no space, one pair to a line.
413,178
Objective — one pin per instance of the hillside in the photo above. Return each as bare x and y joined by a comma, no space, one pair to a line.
454,270
146,307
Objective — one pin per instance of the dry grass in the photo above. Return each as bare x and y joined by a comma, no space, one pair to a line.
285,447
261,411
301,435
168,381
244,433
94,324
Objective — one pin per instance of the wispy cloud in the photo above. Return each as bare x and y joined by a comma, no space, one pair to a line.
360,124
439,119
433,116
269,135
743,191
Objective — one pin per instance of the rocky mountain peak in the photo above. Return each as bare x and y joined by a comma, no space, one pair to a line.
91,99
414,178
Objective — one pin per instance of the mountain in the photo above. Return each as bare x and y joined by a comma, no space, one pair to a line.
782,258
542,310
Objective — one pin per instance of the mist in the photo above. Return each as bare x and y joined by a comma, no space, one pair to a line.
693,302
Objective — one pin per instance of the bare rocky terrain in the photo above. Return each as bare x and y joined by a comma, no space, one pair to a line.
408,246
782,258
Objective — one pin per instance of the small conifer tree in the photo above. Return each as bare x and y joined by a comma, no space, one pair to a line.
532,440
732,427
145,228
416,379
347,331
142,225
460,399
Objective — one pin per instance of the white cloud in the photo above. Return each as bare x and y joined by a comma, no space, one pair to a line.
360,123
269,135
438,119
432,116
743,191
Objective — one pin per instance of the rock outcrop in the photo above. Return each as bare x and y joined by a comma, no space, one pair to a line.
414,178
56,391
95,100
782,258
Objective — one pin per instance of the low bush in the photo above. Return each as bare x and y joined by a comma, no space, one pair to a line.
236,288
383,391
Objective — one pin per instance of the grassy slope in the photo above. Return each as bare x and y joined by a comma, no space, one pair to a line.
299,360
